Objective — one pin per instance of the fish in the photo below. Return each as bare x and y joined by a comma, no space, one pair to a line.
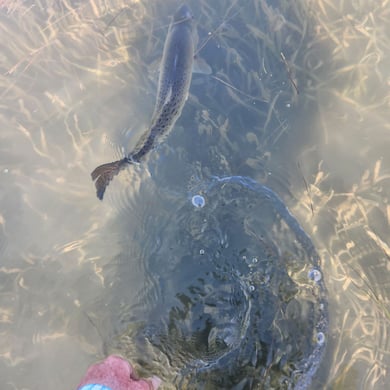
172,92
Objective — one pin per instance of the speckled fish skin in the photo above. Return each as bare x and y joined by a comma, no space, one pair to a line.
174,83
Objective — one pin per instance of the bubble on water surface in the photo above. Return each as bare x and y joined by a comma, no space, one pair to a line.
320,338
315,274
198,201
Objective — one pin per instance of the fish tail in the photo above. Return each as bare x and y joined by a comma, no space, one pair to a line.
103,174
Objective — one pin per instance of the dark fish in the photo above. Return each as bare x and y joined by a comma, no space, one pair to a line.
174,82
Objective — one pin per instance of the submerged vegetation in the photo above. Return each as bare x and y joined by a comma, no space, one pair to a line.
298,99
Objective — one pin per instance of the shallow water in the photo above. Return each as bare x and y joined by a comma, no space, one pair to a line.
241,300
78,85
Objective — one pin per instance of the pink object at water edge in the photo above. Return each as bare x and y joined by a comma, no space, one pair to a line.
117,374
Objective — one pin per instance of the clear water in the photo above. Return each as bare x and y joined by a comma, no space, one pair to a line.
235,303
78,86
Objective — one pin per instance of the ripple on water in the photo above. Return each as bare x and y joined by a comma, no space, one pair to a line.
243,300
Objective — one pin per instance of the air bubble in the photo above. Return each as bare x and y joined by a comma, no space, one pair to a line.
315,275
251,288
320,338
201,252
254,260
198,201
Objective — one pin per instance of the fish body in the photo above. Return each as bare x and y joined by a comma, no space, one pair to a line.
173,85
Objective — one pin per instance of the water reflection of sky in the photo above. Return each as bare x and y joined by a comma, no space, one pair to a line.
79,79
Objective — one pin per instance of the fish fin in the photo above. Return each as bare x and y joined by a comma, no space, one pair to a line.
200,66
103,174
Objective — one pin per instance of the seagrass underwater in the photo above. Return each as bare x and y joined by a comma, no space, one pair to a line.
194,279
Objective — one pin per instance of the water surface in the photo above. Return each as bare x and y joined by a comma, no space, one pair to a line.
78,85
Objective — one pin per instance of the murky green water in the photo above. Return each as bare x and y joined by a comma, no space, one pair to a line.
80,278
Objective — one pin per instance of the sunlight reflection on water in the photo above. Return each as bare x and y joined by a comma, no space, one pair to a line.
78,85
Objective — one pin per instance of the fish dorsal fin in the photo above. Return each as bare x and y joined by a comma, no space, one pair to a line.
168,97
